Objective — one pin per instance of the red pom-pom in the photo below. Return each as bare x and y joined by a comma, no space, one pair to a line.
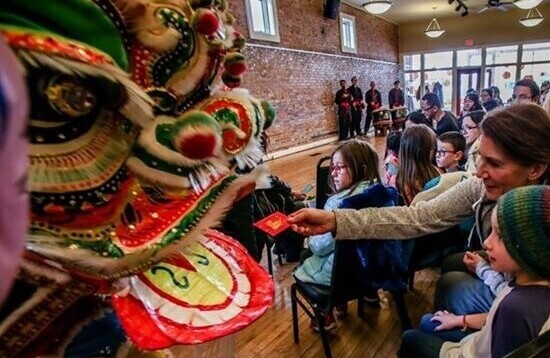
206,22
198,145
236,69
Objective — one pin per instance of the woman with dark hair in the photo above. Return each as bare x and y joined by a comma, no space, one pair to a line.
514,151
471,131
471,103
496,96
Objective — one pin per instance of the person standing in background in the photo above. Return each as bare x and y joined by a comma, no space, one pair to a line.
396,97
496,96
343,100
356,108
374,101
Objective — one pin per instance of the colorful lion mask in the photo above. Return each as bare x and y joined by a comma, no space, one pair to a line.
134,146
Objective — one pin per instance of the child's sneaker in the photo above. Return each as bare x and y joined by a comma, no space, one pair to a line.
329,324
341,310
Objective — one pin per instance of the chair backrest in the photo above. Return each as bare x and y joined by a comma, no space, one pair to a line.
536,348
322,188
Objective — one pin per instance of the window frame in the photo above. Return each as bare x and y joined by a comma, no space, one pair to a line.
351,19
259,35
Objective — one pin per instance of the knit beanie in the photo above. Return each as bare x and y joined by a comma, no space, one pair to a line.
523,216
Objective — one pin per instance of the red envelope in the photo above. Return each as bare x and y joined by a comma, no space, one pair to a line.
273,224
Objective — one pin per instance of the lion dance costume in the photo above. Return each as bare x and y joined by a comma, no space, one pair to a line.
137,129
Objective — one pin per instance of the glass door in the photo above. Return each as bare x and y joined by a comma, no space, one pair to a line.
467,79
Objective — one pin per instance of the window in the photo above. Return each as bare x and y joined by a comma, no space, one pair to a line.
262,20
504,77
411,62
502,55
441,83
412,89
347,33
471,57
539,71
536,52
438,60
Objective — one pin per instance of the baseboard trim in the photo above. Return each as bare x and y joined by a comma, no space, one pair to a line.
300,148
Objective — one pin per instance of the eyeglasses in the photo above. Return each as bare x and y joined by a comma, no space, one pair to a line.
426,109
466,128
338,168
443,152
521,97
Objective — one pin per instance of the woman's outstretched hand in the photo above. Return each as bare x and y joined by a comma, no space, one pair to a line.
312,221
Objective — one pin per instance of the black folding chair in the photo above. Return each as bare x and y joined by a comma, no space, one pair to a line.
346,285
536,348
323,190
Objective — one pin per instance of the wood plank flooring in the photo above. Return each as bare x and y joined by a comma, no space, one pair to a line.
378,335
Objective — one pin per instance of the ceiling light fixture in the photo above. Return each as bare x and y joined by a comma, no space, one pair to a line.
460,7
527,4
533,18
434,30
377,6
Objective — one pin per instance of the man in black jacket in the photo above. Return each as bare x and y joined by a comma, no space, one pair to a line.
431,108
343,100
396,97
356,108
374,101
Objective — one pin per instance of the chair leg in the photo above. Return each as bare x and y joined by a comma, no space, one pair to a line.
294,307
411,280
361,307
322,332
402,312
269,260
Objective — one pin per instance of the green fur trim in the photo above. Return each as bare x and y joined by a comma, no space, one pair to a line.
227,116
258,118
79,20
153,162
195,119
270,114
163,135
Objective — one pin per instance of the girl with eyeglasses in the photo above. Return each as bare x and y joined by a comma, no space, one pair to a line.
353,170
471,132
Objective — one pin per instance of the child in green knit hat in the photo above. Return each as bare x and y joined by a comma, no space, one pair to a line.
519,244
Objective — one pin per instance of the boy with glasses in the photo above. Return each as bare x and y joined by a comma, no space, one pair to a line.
451,147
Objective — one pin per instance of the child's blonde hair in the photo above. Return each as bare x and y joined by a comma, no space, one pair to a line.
362,162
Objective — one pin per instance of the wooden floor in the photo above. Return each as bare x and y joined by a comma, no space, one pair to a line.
378,335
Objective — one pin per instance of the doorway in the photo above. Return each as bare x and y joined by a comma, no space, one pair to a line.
466,79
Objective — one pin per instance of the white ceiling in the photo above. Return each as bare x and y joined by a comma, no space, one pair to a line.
403,11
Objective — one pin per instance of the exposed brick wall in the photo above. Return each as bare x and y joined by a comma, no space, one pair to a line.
300,75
